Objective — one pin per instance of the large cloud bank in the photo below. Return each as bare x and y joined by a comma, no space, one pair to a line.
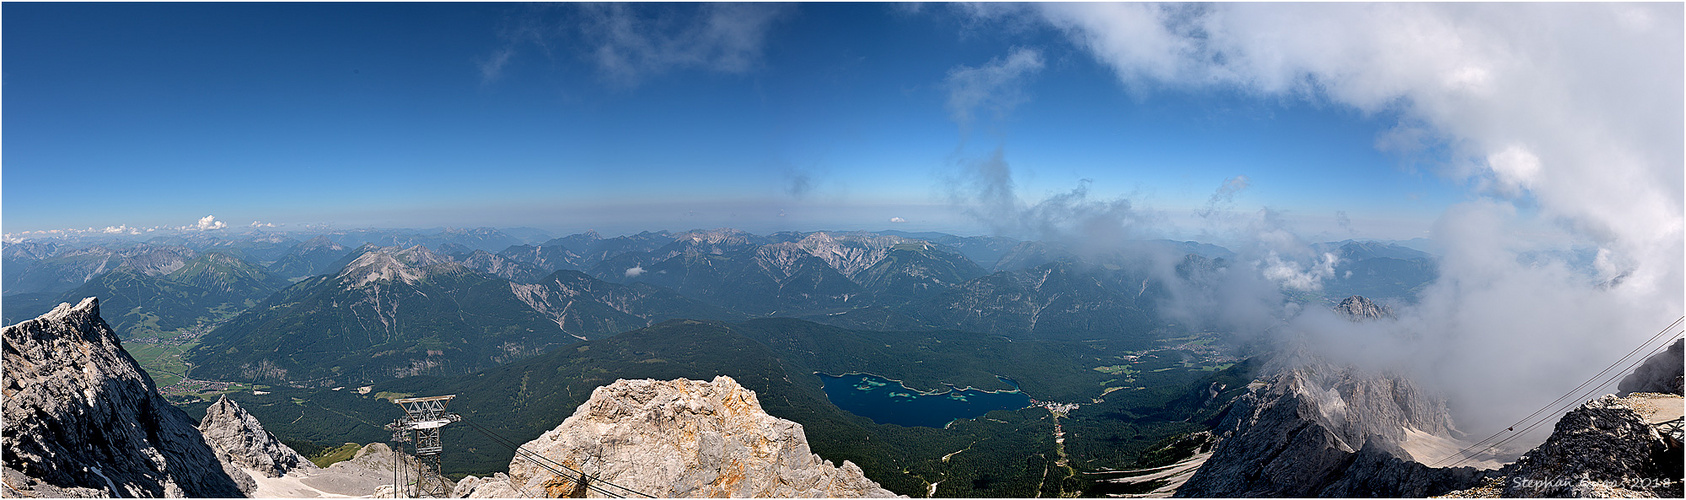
1563,120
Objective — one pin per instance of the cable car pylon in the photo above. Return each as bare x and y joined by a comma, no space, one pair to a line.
423,419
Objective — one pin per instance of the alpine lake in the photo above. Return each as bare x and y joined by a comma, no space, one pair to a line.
887,401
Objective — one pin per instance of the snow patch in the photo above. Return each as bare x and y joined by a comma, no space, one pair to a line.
114,491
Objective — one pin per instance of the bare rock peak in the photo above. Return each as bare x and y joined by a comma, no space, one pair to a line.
1659,373
1318,429
83,419
1608,447
394,264
681,438
1359,308
238,437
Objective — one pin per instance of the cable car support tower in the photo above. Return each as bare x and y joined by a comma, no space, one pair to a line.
423,418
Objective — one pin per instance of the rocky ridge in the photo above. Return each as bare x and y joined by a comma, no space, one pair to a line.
1626,446
851,253
1604,448
407,265
1316,429
83,419
63,270
1359,308
1659,373
1310,427
502,267
240,439
369,472
679,438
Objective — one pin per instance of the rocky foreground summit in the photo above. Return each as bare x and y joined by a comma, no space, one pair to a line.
678,438
83,419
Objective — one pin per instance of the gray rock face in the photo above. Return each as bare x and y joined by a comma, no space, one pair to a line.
1321,430
682,438
851,253
1378,471
1603,449
239,438
497,485
83,419
367,471
1660,373
1358,308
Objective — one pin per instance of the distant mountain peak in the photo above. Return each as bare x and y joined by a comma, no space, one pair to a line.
469,230
419,256
379,266
155,261
850,253
262,237
715,236
1359,308
320,241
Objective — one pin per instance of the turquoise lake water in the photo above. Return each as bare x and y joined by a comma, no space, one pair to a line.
889,402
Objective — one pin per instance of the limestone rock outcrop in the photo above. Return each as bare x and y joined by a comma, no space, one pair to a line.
679,438
371,471
1359,308
1662,372
239,438
497,485
83,419
1317,429
1607,447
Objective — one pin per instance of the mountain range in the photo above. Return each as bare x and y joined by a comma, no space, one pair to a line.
1113,382
315,309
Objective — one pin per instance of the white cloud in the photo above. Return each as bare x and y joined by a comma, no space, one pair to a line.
264,224
635,271
630,43
897,220
1224,197
208,223
491,69
1563,118
994,86
1515,168
1292,275
1141,41
988,193
1571,104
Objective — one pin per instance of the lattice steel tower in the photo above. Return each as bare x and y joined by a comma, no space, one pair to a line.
420,425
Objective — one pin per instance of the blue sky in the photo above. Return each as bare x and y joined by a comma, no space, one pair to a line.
836,116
